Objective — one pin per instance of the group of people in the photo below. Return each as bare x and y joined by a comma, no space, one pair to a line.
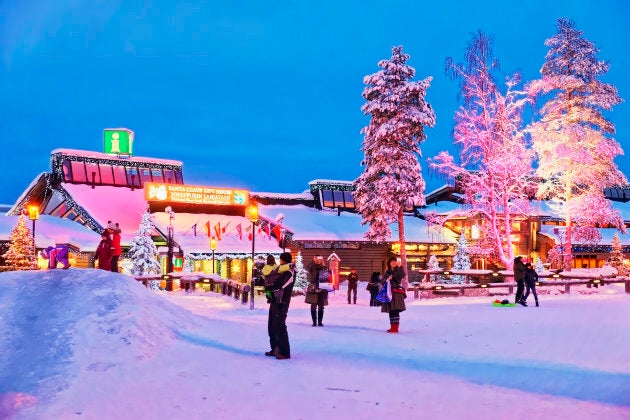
279,280
108,250
526,278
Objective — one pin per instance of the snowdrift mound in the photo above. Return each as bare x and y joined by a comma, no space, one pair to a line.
57,323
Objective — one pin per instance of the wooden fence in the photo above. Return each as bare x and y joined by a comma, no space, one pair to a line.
487,279
191,281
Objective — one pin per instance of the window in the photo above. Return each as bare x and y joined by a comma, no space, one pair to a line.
349,199
93,173
156,175
78,172
338,198
145,174
178,177
327,198
120,175
169,176
107,175
133,177
67,171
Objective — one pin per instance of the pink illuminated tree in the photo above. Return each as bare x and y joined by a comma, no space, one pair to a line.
572,139
392,179
494,166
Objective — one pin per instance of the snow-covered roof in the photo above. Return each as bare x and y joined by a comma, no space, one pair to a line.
51,230
99,155
607,234
306,195
331,181
326,225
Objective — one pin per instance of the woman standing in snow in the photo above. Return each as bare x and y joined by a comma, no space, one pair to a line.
531,277
395,275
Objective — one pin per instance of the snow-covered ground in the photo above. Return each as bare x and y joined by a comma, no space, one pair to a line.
88,344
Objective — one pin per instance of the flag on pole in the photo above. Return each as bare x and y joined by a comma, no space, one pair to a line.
240,231
268,230
225,227
277,233
217,230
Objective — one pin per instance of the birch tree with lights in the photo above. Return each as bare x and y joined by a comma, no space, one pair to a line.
573,139
392,178
495,164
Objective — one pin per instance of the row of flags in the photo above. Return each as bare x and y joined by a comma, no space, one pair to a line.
218,231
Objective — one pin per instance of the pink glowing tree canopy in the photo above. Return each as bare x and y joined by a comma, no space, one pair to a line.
573,139
494,161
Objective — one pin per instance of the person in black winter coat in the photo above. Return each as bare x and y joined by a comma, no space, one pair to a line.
531,277
313,269
373,286
282,288
519,278
353,281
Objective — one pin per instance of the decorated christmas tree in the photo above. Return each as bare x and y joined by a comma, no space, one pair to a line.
461,261
189,263
616,257
21,253
301,281
143,252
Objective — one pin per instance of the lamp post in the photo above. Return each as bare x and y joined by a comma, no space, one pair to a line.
252,215
33,214
213,246
169,254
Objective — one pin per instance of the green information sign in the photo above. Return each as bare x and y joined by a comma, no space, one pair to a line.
118,141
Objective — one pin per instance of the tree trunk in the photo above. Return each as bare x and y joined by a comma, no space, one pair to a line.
403,248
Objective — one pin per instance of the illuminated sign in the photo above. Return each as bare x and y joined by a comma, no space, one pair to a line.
195,194
118,141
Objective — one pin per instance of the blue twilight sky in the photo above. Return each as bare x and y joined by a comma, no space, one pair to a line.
264,95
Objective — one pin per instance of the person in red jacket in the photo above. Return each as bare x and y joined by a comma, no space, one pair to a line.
114,230
104,252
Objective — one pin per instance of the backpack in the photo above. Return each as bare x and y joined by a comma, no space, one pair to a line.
271,278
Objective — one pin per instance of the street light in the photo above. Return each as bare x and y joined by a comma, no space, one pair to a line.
169,254
252,215
213,246
33,214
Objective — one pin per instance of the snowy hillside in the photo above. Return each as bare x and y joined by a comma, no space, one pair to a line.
89,344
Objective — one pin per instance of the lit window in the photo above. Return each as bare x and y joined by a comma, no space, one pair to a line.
349,199
327,197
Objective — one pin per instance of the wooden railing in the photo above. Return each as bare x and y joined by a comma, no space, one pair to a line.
191,281
486,279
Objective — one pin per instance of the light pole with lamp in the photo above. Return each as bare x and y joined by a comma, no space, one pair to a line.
213,246
169,254
33,214
252,215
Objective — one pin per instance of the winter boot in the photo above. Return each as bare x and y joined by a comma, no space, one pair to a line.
393,328
313,317
537,303
320,316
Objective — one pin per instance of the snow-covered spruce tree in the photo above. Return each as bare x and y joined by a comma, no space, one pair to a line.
301,281
461,260
142,251
494,168
434,265
21,254
189,263
616,258
572,139
392,178
539,266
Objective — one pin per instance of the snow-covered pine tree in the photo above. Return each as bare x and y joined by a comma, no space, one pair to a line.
433,264
539,266
616,258
494,161
21,254
142,251
392,178
461,260
301,281
189,263
573,140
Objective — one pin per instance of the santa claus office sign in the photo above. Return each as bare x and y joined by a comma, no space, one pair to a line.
195,194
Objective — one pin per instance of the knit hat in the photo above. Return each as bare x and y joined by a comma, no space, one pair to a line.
286,257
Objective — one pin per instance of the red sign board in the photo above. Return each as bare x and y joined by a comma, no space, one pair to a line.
195,194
